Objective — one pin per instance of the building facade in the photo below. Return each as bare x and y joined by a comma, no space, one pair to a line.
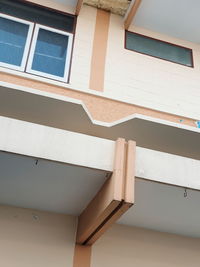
99,133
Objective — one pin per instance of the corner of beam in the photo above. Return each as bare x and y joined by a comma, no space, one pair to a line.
114,198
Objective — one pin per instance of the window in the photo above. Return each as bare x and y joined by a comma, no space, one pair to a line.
160,49
50,53
41,46
15,35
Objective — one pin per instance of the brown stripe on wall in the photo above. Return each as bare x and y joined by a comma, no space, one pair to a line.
99,50
82,256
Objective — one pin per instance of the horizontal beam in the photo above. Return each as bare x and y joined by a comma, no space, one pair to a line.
167,168
131,13
111,201
49,143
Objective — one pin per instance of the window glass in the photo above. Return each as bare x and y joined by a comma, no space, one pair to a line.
157,48
50,53
13,36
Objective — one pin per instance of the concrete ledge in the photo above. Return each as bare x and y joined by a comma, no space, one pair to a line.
49,143
167,168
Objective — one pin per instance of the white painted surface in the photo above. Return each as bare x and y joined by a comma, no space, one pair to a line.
78,149
57,145
178,18
164,208
83,47
148,81
167,168
47,185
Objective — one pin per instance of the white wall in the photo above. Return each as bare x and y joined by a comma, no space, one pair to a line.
148,81
83,45
34,238
167,168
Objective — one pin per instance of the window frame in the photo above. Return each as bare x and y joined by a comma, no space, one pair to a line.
27,44
32,52
172,44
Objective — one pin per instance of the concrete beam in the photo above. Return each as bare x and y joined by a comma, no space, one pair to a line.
112,200
167,168
49,143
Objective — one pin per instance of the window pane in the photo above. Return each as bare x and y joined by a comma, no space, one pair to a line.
37,14
157,48
50,53
13,37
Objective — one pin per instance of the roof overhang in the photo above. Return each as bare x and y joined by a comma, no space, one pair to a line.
179,19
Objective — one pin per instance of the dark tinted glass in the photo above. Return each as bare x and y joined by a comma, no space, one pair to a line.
160,49
37,14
